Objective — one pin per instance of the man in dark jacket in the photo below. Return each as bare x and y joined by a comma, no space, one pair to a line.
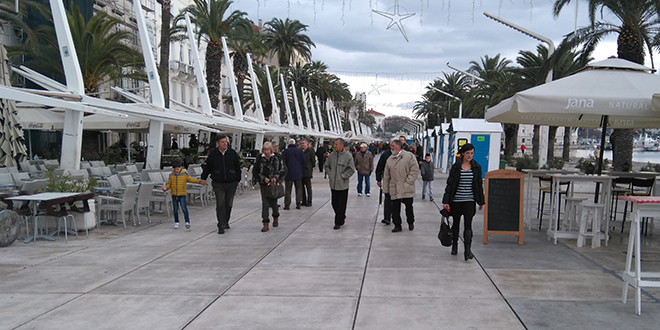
320,156
294,160
224,166
307,170
380,170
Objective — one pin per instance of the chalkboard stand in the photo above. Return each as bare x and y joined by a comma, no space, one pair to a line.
503,212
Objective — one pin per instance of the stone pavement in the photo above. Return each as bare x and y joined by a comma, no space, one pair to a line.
305,275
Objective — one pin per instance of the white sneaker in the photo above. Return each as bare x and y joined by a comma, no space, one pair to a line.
359,194
187,225
176,225
368,195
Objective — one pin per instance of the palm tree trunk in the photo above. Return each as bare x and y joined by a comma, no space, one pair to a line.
213,65
566,154
165,49
511,139
535,142
622,148
552,138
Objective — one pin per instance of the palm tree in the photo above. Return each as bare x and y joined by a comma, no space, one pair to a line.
165,27
213,21
103,52
286,38
497,85
637,24
243,40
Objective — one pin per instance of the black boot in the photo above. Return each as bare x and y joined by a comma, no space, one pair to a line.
467,241
454,242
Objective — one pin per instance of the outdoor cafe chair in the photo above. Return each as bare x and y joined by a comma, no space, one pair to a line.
115,204
4,170
161,197
620,187
545,188
638,187
126,179
81,174
80,204
85,165
20,178
156,177
144,200
194,191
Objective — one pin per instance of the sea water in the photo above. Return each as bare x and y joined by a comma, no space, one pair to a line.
639,156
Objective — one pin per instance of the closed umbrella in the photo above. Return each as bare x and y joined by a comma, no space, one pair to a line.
12,141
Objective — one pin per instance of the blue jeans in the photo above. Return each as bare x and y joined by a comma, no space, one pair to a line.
367,184
175,208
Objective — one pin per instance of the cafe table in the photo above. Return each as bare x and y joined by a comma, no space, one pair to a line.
41,198
643,207
555,231
529,176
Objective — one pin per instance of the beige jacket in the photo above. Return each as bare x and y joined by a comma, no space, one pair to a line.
400,174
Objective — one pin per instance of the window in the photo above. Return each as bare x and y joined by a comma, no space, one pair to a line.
183,94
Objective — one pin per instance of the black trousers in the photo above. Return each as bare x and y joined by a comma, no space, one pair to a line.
287,192
387,207
396,211
306,191
267,203
465,209
224,200
339,200
321,161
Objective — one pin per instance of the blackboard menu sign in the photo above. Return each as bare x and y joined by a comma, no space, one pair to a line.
503,213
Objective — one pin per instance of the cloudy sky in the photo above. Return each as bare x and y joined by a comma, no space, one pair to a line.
354,42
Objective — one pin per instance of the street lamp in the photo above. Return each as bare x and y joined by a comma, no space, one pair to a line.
465,73
543,144
460,105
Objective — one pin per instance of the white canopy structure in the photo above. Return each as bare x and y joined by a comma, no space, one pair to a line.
149,115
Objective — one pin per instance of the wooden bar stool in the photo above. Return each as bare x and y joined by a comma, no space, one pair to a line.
572,211
591,216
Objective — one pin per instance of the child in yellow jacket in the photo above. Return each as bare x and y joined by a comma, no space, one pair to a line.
177,181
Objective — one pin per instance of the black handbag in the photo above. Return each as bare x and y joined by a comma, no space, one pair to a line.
445,234
274,190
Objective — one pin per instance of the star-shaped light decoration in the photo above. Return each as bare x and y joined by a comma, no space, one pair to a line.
375,87
395,18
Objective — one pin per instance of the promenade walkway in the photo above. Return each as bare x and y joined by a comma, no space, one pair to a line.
305,275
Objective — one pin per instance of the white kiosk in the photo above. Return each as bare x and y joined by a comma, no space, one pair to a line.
483,135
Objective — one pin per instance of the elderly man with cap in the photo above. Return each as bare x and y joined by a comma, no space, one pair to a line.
340,167
401,171
364,165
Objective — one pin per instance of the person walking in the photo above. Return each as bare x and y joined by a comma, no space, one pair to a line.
364,164
426,171
178,181
224,167
307,172
380,170
463,191
294,160
339,167
320,156
268,169
401,171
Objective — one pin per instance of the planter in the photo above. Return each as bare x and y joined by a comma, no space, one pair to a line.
84,221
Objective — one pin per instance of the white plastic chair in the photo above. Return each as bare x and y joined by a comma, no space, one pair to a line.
122,205
144,200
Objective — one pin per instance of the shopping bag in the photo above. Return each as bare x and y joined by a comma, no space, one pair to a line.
445,229
274,190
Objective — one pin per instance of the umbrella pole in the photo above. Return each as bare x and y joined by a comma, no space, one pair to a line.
600,155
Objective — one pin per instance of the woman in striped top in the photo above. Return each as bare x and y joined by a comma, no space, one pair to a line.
463,192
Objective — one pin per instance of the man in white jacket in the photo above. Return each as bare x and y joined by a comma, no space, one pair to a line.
401,171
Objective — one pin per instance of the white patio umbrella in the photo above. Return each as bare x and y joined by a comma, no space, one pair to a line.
615,88
12,142
613,93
